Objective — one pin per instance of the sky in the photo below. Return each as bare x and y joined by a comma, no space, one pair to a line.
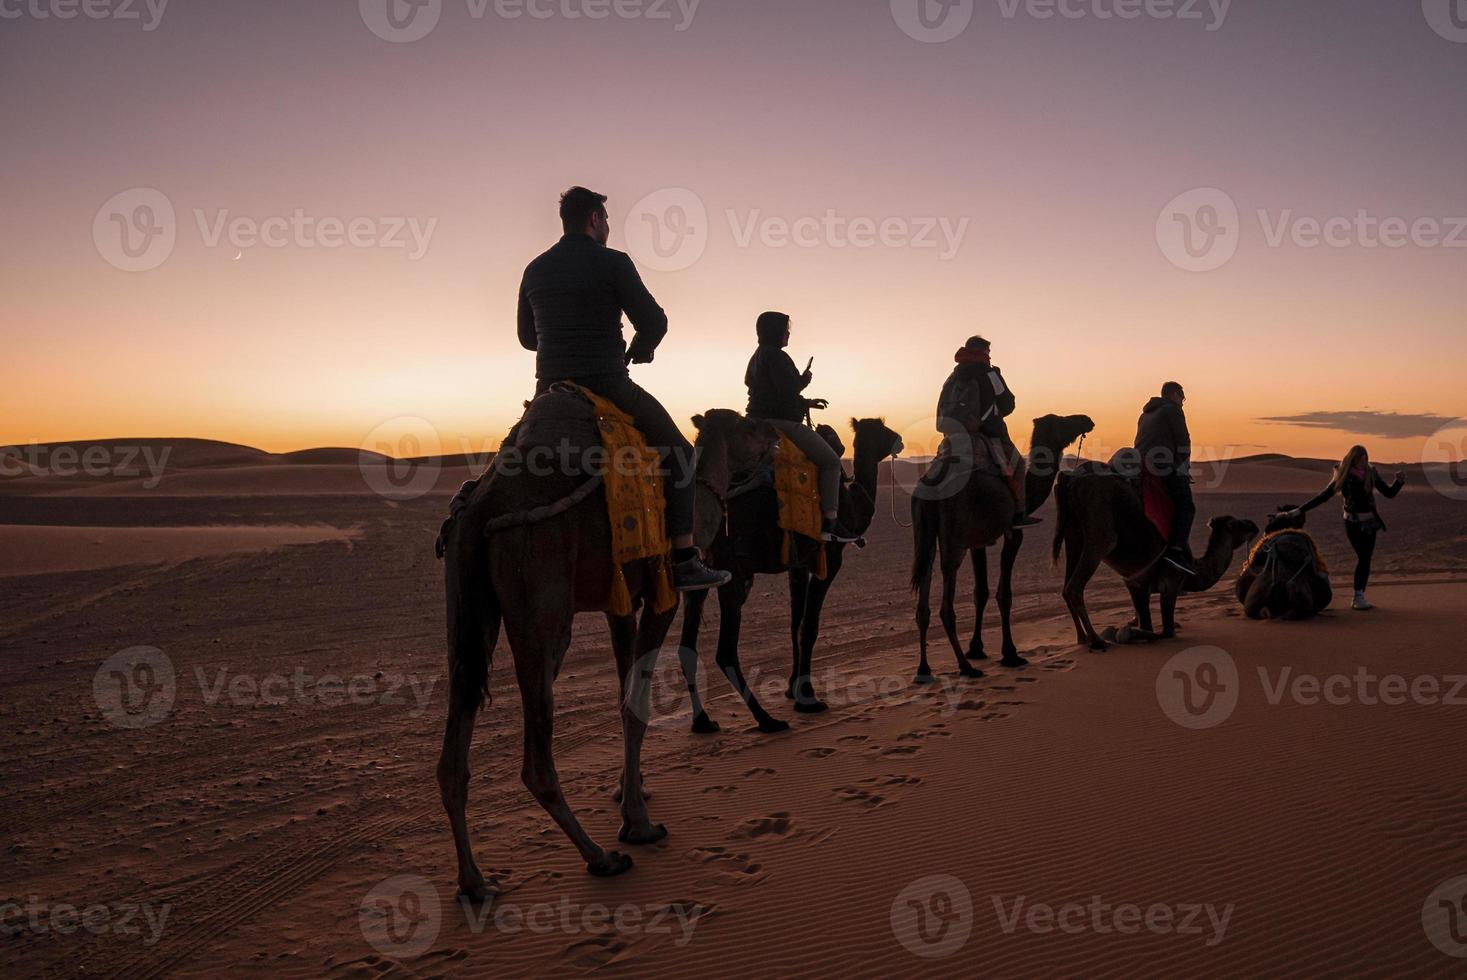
292,224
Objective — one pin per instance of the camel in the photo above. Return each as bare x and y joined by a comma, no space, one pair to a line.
753,544
559,528
1101,519
1284,579
968,520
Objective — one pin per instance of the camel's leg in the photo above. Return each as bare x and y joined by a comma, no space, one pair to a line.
453,785
539,639
687,653
981,593
1011,545
800,579
636,664
731,612
924,620
1141,601
1072,562
1085,568
805,700
1168,614
952,563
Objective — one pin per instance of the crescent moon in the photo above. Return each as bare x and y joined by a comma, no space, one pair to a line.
239,255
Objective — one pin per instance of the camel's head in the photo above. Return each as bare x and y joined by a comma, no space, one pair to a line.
1278,522
1234,531
873,438
1060,431
744,441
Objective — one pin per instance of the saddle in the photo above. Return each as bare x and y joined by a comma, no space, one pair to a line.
1264,549
989,459
1156,500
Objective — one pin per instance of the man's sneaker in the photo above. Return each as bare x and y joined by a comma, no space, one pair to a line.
1177,558
1024,520
1361,603
831,530
694,576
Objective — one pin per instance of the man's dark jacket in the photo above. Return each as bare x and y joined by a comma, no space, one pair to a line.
969,394
1162,439
571,302
775,385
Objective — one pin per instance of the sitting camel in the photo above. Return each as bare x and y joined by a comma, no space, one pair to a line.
753,544
969,520
1102,520
529,548
1284,577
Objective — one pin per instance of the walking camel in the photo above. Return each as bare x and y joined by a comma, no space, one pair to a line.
970,520
559,528
753,544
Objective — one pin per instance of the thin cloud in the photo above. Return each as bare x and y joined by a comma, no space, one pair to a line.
1385,425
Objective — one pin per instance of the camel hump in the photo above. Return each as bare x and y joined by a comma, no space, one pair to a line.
562,417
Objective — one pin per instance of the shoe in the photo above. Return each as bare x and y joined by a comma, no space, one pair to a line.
1177,558
831,530
694,576
1361,603
1024,520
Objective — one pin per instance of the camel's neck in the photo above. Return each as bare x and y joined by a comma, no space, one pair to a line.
1213,565
867,470
1044,462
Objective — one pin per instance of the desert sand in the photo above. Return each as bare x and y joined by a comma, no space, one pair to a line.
279,816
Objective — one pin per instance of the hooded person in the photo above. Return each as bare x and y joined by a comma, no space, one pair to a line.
971,410
1165,448
776,394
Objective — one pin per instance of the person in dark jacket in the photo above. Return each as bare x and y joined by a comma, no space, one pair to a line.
1356,481
570,306
974,403
1165,448
776,394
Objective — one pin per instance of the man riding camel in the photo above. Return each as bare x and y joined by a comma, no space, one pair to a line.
776,389
1165,448
571,302
975,401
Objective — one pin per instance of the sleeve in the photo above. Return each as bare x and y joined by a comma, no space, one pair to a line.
786,376
1324,495
648,319
1004,395
953,406
1391,490
1183,441
529,339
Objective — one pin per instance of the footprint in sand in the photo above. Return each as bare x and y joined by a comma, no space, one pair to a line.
721,789
597,951
725,859
774,825
854,738
759,771
879,789
819,752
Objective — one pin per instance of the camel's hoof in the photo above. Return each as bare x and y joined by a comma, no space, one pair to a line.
1168,635
977,655
924,679
814,707
476,894
1099,646
703,725
609,865
651,835
1013,660
773,726
967,670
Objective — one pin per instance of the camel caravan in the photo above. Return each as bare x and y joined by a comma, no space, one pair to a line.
596,502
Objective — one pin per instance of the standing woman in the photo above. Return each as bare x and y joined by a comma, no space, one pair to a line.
1356,480
776,394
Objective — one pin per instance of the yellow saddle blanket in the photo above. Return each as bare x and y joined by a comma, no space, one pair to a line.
635,505
1263,542
797,485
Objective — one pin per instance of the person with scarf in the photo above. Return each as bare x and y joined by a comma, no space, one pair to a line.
971,410
1356,481
1165,448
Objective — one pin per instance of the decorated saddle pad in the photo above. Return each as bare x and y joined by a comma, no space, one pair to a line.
1266,545
797,486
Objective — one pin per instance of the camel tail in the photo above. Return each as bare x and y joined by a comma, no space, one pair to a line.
924,538
474,619
1062,513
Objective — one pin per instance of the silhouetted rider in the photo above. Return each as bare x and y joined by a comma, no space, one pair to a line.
1165,447
974,402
